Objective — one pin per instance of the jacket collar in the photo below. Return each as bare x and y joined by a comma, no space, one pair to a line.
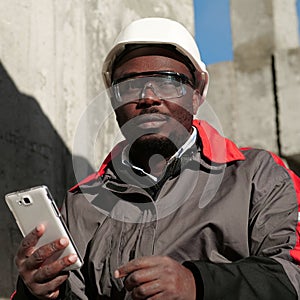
215,148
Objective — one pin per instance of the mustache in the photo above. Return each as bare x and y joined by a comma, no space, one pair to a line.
150,114
152,110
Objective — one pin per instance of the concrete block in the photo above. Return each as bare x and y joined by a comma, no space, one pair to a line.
285,24
252,32
287,64
255,108
222,97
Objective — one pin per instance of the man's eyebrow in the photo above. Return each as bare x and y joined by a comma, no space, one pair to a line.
156,72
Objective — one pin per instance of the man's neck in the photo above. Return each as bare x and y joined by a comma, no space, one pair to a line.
153,156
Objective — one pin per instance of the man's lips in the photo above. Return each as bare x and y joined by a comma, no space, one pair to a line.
149,121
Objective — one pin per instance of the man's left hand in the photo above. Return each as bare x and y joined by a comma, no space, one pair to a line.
157,277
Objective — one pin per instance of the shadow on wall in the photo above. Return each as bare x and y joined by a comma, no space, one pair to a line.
294,163
32,153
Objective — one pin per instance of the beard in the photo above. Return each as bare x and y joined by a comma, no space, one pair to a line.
163,141
149,145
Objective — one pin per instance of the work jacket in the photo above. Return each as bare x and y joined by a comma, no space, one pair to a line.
229,215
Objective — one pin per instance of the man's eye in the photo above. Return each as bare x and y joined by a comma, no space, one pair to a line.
136,84
169,82
124,87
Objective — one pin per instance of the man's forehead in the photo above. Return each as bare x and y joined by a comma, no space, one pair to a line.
151,50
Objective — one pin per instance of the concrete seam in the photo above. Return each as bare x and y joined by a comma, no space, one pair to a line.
276,103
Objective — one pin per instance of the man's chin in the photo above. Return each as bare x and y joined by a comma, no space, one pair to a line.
153,139
153,144
148,137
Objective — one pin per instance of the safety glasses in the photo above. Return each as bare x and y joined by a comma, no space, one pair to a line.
164,84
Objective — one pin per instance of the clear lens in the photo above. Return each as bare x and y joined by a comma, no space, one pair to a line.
167,85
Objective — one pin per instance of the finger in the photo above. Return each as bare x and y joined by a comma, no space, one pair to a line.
53,295
30,240
50,271
44,252
147,290
159,296
137,264
49,295
141,276
50,289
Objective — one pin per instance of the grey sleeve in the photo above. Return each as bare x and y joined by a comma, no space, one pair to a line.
273,219
270,271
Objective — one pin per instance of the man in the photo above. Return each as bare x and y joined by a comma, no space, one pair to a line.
176,211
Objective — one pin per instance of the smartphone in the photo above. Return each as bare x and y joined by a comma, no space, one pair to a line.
35,206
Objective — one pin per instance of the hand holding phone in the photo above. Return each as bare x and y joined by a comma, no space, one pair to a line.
47,250
43,280
36,206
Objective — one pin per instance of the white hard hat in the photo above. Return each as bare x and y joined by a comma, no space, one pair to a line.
161,31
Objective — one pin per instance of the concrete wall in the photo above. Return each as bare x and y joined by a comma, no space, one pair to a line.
51,92
51,53
288,91
287,63
253,43
256,95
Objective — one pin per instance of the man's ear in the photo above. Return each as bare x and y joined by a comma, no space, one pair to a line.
197,101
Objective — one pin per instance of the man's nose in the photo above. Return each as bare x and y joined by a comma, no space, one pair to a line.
149,96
